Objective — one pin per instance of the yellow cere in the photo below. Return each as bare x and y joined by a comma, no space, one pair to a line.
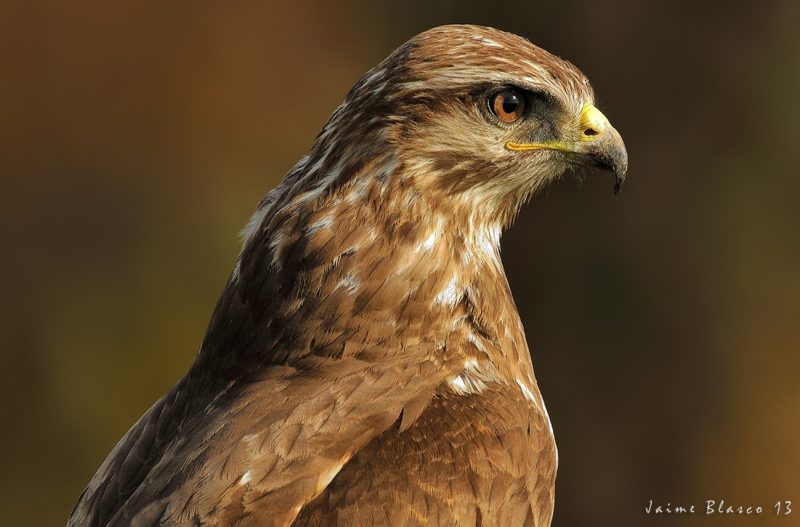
592,123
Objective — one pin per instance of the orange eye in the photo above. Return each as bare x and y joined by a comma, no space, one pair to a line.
507,105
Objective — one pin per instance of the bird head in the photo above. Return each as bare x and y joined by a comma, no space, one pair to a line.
480,119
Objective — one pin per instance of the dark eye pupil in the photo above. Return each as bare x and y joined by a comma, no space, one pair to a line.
510,103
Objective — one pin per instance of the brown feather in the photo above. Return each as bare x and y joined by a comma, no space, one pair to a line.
365,364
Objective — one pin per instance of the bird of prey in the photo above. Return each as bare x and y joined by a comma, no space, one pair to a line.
365,363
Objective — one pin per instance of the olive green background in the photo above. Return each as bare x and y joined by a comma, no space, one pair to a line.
136,138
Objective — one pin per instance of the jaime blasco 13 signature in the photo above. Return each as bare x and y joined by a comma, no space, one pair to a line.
718,507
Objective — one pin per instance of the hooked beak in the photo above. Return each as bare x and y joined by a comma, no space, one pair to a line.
598,144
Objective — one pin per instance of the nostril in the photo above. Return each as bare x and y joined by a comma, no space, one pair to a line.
590,131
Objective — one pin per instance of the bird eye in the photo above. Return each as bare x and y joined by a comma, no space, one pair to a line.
507,105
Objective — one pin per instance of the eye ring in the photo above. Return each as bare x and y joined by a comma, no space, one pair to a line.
508,105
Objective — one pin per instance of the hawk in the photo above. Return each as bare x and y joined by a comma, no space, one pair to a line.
365,363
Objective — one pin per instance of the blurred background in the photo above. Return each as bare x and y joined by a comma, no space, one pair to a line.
136,138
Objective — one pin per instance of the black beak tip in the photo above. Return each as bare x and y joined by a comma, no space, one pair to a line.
619,165
619,179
